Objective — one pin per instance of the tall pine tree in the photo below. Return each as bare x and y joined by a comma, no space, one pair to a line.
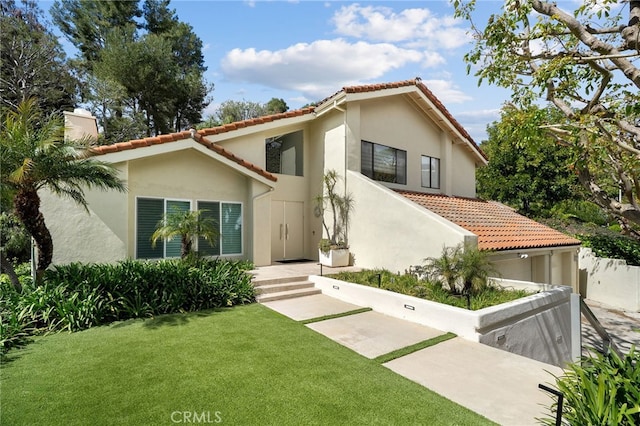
144,68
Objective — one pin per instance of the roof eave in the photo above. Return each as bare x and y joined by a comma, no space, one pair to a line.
181,145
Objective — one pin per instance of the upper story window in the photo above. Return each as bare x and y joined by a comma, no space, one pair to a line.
284,154
430,172
383,163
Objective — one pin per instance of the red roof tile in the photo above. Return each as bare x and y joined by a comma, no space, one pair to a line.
497,226
173,137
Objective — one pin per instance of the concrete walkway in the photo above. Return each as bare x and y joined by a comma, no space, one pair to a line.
496,384
622,326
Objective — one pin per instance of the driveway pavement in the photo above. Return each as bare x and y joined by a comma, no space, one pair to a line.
496,384
622,326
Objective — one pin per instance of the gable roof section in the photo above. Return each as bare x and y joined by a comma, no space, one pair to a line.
497,226
424,90
200,135
175,137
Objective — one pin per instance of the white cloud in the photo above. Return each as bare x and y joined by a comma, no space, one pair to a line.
447,92
415,26
476,122
319,68
481,115
432,59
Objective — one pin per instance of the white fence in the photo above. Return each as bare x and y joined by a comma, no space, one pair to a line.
609,281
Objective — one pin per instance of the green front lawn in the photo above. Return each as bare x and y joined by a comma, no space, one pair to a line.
243,366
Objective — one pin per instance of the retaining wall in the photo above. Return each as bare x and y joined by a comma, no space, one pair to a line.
609,281
537,326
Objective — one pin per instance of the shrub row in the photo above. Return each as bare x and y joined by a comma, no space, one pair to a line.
618,247
78,296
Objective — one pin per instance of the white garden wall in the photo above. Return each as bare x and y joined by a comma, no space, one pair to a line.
537,326
609,281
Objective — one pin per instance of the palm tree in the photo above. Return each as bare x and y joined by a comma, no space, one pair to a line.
187,225
34,155
445,267
463,268
475,269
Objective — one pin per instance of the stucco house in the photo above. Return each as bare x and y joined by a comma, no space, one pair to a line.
409,165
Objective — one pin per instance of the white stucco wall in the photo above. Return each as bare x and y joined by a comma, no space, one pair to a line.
81,236
514,268
108,232
609,281
260,219
186,175
464,173
389,231
541,332
396,123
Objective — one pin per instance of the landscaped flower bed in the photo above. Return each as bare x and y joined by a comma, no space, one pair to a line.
411,285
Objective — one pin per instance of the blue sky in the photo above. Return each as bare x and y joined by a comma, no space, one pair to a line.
304,51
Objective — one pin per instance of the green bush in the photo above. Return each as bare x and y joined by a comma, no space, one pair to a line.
616,247
584,211
600,390
410,284
78,296
15,329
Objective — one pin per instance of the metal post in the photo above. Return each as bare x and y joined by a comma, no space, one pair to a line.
560,400
576,327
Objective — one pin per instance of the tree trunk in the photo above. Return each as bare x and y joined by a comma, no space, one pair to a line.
632,31
7,268
27,207
185,247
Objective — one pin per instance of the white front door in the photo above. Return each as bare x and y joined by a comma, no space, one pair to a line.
287,230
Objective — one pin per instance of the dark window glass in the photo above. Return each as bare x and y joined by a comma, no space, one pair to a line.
150,211
383,163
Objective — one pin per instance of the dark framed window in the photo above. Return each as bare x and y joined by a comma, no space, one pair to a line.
228,216
284,154
150,212
430,172
383,163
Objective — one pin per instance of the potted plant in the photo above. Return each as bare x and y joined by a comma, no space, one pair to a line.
333,250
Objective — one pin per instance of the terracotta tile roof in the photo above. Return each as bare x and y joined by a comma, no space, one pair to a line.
198,136
497,226
174,137
255,121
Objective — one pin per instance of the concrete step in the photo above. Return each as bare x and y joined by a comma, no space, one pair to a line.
280,287
289,294
271,281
